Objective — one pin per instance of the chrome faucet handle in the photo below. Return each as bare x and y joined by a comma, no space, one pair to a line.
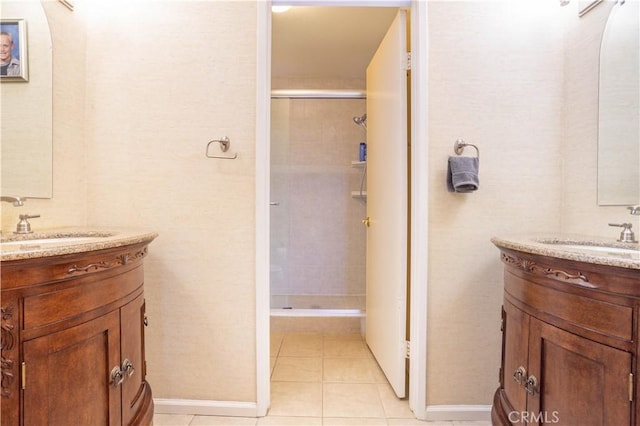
16,201
634,210
627,235
24,227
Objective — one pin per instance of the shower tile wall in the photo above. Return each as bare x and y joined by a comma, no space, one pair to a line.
318,241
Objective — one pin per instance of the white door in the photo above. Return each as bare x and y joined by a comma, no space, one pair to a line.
387,203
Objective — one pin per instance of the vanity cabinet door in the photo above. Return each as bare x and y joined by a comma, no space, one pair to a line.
134,394
67,375
578,381
515,336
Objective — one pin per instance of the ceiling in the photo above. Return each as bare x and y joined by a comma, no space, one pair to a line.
327,42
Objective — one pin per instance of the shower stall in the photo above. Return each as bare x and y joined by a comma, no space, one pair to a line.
318,201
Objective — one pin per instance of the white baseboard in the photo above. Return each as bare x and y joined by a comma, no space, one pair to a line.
205,407
457,412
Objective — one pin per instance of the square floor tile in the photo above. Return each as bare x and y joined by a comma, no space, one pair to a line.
350,370
394,406
296,399
301,344
354,421
351,400
172,419
346,349
297,369
223,421
275,343
343,336
289,421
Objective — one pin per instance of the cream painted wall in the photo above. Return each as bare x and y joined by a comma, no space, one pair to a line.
163,79
139,90
496,72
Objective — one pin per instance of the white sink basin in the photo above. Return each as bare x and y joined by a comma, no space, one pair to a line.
602,249
50,239
54,240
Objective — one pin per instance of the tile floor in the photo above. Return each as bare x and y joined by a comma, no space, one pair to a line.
322,379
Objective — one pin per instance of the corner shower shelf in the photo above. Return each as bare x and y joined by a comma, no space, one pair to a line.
358,194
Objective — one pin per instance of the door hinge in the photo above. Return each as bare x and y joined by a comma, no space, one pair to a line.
408,63
23,375
630,386
407,349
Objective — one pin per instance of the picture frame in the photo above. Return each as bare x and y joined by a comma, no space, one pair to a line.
585,6
14,62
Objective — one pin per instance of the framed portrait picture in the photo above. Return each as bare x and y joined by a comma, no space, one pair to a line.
14,62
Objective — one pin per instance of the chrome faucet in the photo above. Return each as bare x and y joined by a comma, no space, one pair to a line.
627,235
24,227
17,201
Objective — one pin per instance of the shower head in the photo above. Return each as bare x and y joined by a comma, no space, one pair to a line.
361,120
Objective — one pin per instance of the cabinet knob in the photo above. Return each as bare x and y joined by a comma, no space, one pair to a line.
128,368
366,221
519,374
146,321
531,385
117,377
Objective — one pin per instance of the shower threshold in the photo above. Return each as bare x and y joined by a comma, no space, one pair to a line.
294,312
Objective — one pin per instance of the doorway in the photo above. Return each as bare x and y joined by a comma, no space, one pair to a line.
418,210
318,191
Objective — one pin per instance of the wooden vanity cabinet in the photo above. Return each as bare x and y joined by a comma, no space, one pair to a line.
73,340
569,348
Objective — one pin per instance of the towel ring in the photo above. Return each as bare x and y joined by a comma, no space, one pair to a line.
459,145
225,143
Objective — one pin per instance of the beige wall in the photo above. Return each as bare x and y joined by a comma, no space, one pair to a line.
163,79
496,81
139,90
134,109
138,97
520,80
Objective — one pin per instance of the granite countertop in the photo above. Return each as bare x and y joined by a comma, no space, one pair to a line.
69,240
588,249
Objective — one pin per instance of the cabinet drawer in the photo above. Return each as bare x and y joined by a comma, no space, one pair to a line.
590,314
79,297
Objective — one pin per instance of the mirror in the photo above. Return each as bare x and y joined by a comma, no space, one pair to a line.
27,134
619,110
